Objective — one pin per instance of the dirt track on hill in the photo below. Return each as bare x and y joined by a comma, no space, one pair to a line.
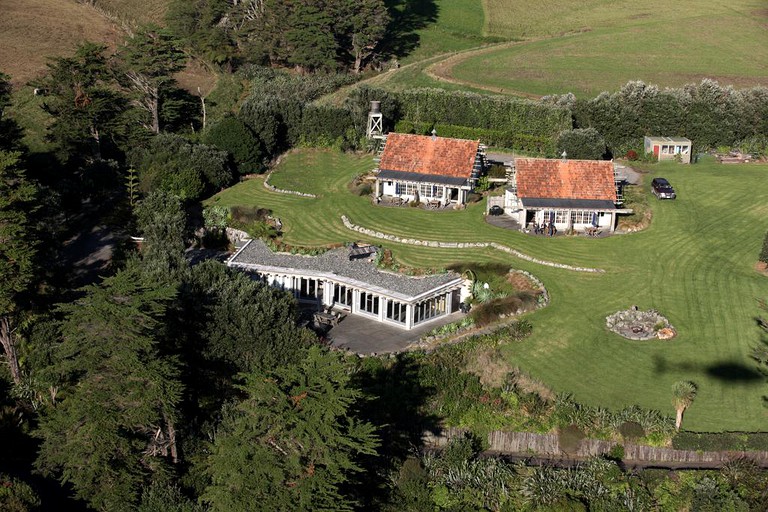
442,71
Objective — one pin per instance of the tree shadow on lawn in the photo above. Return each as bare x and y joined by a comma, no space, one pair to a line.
396,405
728,371
408,16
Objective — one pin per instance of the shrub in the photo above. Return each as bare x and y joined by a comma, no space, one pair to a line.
582,144
631,430
764,251
234,137
324,125
757,145
490,311
246,214
517,141
497,171
570,438
483,111
363,189
631,155
719,441
474,197
518,330
616,452
172,163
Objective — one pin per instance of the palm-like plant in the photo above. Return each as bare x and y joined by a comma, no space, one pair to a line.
683,393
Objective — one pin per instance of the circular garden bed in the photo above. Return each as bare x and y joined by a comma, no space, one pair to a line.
636,324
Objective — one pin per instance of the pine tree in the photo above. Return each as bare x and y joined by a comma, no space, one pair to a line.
234,137
113,426
83,102
162,222
764,251
149,59
17,251
292,442
364,25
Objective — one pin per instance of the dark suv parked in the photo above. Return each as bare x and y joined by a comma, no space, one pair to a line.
662,189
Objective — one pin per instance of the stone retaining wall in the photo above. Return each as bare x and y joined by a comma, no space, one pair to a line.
463,245
281,191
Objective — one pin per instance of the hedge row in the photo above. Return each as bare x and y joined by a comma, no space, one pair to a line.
721,441
708,113
479,111
538,145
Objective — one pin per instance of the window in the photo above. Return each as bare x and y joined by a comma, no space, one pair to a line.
581,217
342,295
369,303
396,311
430,191
561,217
406,189
429,308
308,288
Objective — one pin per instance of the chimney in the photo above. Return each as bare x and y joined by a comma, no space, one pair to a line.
434,134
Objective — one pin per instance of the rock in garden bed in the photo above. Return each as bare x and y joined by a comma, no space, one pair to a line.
636,324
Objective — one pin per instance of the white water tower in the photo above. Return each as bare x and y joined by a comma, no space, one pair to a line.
375,128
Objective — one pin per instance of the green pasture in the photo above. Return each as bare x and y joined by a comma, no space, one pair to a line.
519,19
694,264
728,48
438,26
590,46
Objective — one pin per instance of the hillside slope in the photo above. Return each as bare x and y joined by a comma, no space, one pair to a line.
33,30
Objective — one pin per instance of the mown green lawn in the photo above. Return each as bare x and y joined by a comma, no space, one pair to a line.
694,264
589,46
666,54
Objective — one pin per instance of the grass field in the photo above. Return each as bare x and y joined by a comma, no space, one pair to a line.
694,264
724,44
589,46
33,30
444,26
135,12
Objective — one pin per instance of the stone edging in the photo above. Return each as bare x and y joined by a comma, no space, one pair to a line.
464,245
272,188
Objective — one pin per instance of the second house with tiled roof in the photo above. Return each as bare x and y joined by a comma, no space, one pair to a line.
438,171
573,195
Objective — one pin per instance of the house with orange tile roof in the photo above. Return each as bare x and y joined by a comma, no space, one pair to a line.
574,195
436,170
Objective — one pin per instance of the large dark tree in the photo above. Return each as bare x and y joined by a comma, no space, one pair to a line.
111,428
86,107
10,133
149,60
364,28
292,442
173,164
17,251
162,222
233,136
240,323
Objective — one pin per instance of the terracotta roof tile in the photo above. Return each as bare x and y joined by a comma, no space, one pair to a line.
565,179
424,155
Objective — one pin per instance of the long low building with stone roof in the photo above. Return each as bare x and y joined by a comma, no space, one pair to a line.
341,279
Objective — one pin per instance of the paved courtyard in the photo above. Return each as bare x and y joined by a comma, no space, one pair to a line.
364,336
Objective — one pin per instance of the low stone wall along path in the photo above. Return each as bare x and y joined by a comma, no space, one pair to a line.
463,245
